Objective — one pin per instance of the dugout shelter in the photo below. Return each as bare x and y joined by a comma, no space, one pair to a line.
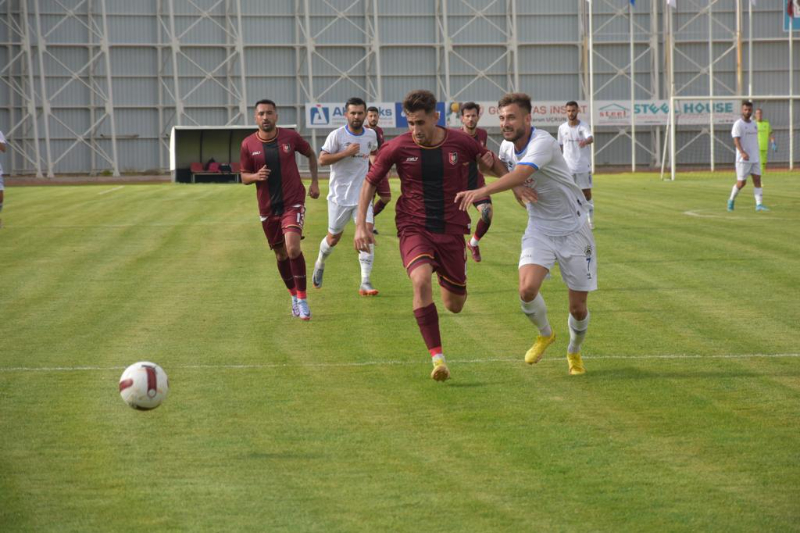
202,154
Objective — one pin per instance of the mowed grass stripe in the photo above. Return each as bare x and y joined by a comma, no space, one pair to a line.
181,274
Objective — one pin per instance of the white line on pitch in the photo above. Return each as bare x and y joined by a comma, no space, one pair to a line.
110,190
455,362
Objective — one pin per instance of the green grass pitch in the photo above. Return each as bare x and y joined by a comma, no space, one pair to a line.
687,420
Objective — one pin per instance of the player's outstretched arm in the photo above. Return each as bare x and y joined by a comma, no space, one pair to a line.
363,238
515,178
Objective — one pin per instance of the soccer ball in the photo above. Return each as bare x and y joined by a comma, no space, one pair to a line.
143,385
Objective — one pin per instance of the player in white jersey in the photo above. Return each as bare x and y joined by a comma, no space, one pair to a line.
575,136
745,138
2,185
347,150
557,230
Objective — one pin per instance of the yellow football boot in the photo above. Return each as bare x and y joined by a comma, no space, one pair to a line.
535,354
440,371
575,364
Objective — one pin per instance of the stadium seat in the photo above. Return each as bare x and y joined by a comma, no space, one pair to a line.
196,167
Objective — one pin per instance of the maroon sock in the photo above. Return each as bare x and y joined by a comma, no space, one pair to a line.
428,322
285,268
299,272
377,207
482,228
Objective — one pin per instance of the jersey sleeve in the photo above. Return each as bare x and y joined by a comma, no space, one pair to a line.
383,162
539,154
245,161
737,130
587,131
300,145
374,135
560,136
2,138
331,143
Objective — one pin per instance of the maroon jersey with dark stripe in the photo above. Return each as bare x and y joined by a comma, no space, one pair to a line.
379,132
283,188
430,178
475,179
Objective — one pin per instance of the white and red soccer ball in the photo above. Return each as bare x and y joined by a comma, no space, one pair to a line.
144,385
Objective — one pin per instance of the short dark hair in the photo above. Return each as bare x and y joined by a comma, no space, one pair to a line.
747,103
354,101
265,101
420,100
521,99
470,105
571,102
373,109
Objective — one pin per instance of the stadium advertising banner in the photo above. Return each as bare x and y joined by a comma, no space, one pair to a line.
547,113
331,116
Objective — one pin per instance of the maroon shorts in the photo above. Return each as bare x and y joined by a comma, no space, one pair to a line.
446,253
383,188
275,226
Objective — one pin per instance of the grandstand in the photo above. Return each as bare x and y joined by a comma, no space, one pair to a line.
96,87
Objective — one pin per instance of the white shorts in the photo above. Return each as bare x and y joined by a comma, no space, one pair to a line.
576,255
340,215
583,179
745,168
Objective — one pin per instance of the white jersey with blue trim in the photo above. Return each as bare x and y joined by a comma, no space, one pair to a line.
560,209
347,175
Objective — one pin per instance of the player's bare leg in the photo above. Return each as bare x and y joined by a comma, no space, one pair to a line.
578,324
298,263
1,207
428,318
737,188
532,303
484,222
758,193
325,249
380,204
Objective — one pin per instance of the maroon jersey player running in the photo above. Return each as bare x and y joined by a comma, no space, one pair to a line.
432,163
267,159
470,114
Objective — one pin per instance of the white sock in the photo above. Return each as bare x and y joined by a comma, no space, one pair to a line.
735,192
474,241
325,250
577,332
757,192
366,259
536,312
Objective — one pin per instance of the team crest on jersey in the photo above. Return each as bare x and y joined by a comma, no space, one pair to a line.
287,148
453,157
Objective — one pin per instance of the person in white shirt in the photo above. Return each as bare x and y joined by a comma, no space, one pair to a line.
558,230
347,151
575,136
745,138
2,184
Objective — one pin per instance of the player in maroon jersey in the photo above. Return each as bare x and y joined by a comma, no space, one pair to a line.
267,159
384,191
433,164
470,114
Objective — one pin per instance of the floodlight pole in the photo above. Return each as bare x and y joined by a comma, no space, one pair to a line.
670,56
633,91
791,92
591,82
711,79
